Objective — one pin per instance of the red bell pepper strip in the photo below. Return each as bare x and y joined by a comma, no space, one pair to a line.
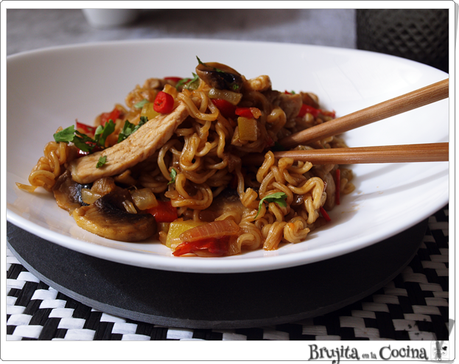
87,129
112,115
338,184
164,212
164,103
226,108
324,214
308,109
215,246
244,112
314,112
174,79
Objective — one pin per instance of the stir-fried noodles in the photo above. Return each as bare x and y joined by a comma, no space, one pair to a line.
170,164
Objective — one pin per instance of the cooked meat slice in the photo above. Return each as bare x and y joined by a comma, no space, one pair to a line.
134,149
310,99
291,104
108,218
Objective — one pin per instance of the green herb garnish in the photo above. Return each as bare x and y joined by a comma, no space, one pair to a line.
200,62
188,83
173,176
130,128
102,161
66,135
88,144
277,197
102,132
84,142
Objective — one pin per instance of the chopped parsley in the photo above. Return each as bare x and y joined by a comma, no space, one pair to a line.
88,144
130,128
277,197
102,161
173,176
102,132
84,142
66,135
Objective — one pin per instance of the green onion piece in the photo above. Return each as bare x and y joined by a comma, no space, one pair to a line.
141,104
194,83
200,62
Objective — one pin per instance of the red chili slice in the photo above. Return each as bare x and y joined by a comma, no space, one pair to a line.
164,103
226,108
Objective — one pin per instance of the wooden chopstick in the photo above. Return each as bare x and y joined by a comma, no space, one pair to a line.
430,152
383,110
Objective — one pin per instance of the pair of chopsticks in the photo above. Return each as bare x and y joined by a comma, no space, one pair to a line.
430,152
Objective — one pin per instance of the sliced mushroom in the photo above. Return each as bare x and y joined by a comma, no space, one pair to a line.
324,172
68,192
220,76
107,217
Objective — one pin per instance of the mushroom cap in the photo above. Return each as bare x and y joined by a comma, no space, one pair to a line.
108,218
220,76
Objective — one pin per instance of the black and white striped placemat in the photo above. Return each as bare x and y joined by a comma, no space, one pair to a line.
414,306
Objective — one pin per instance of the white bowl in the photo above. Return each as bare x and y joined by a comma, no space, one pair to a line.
53,87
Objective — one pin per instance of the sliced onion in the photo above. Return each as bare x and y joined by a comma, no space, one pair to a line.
144,198
230,96
214,229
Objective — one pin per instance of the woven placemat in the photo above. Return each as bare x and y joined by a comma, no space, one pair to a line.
414,306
